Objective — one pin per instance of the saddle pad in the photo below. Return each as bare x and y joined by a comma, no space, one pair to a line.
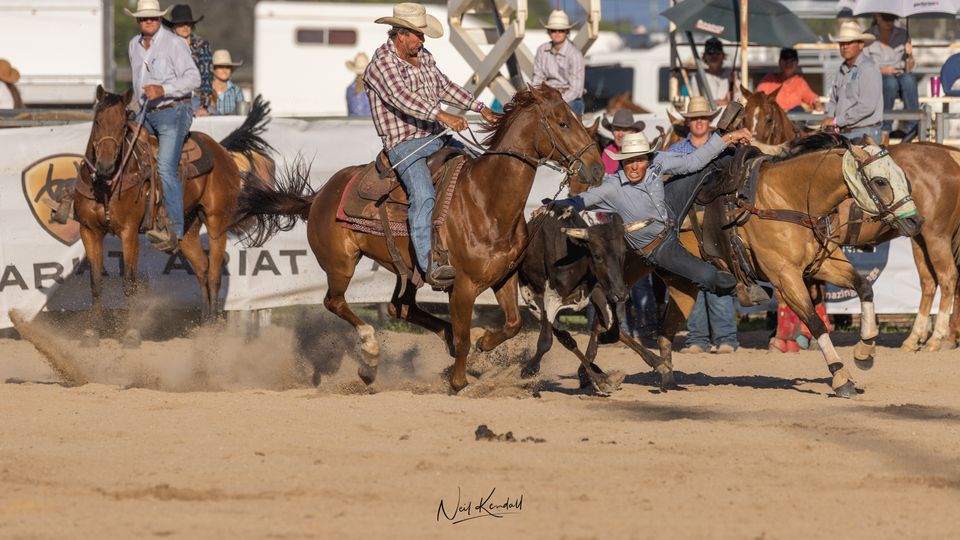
360,214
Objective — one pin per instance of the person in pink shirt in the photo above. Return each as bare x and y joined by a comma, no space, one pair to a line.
621,124
795,94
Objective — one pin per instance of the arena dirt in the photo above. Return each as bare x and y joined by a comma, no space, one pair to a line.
211,435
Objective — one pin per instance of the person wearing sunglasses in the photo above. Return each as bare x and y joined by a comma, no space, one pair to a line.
559,63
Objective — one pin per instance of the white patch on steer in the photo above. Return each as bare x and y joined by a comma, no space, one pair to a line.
826,347
868,321
531,299
553,303
368,340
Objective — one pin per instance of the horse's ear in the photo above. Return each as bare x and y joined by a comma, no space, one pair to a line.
860,153
100,92
746,93
675,120
592,130
128,96
868,141
772,96
535,92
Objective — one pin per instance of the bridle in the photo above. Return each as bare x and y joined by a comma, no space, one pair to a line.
118,175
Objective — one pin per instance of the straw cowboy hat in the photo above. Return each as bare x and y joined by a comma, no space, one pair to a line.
699,108
8,73
358,64
413,16
851,31
634,144
181,14
623,119
557,20
147,8
221,57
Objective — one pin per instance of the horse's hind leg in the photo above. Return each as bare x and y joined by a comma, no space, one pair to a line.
193,251
506,295
93,244
405,307
130,240
217,240
928,288
336,303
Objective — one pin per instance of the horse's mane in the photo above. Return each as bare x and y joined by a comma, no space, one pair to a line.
521,100
812,143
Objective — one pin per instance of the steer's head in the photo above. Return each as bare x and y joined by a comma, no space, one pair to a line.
607,248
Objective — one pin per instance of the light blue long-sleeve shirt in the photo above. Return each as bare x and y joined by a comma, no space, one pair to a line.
856,98
645,199
168,63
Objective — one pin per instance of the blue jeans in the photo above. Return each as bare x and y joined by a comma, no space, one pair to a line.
712,321
903,85
415,177
873,132
577,106
171,126
642,319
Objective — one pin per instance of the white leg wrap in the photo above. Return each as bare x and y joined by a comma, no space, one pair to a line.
942,326
868,321
826,347
368,340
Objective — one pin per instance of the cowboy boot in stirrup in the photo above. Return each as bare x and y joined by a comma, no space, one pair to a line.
64,210
161,236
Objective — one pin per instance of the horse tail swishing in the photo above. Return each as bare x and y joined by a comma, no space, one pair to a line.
250,151
263,210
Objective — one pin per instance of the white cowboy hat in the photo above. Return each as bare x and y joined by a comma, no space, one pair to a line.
358,64
221,57
699,108
634,144
557,20
414,17
147,8
851,31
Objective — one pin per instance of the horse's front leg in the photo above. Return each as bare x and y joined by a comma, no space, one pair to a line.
507,298
842,274
130,240
217,240
93,244
462,298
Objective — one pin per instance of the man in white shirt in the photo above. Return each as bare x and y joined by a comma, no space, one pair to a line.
559,63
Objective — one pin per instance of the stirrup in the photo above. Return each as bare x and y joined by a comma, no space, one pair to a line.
63,212
441,277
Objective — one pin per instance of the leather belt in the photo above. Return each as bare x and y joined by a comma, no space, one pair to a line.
171,103
848,129
648,249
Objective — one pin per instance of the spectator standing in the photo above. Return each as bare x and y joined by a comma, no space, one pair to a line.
226,95
893,53
358,103
621,124
721,81
183,24
713,319
559,63
855,108
795,94
9,95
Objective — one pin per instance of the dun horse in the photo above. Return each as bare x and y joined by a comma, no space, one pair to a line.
485,231
118,202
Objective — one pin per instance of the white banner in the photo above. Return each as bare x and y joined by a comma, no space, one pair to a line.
42,266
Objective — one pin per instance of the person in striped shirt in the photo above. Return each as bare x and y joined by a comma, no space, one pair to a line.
406,90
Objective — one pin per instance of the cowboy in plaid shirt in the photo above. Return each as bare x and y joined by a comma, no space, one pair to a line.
406,89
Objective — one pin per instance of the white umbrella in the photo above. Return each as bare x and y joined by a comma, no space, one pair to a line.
907,8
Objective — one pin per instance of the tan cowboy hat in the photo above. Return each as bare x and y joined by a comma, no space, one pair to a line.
221,57
557,20
147,8
634,144
414,17
358,64
623,119
851,31
8,73
699,108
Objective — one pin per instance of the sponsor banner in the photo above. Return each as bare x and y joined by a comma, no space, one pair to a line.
42,265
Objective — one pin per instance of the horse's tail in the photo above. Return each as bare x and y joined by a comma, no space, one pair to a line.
248,137
264,210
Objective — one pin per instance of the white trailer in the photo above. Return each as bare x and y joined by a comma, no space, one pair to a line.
58,46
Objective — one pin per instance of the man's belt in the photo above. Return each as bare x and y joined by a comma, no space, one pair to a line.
848,129
648,249
172,102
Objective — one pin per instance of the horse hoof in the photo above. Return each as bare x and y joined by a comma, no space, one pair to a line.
457,386
529,370
131,339
909,345
585,380
847,391
865,364
367,373
89,339
668,382
933,345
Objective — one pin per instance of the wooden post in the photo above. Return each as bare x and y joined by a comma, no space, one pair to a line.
744,80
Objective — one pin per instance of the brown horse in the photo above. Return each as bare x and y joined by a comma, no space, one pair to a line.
767,121
485,230
208,200
934,174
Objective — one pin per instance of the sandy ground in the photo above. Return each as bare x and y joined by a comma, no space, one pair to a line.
208,436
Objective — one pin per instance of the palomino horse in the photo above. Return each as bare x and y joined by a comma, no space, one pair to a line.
208,199
934,174
485,230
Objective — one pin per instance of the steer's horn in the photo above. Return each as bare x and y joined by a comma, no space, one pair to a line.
637,225
580,233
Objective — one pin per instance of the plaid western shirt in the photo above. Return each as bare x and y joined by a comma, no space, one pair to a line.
405,99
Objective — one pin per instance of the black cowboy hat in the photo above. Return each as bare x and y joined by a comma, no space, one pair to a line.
623,119
181,14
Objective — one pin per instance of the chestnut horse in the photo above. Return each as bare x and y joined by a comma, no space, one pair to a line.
485,230
934,174
208,200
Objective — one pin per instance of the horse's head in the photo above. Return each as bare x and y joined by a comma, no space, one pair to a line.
538,120
880,187
109,127
765,118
